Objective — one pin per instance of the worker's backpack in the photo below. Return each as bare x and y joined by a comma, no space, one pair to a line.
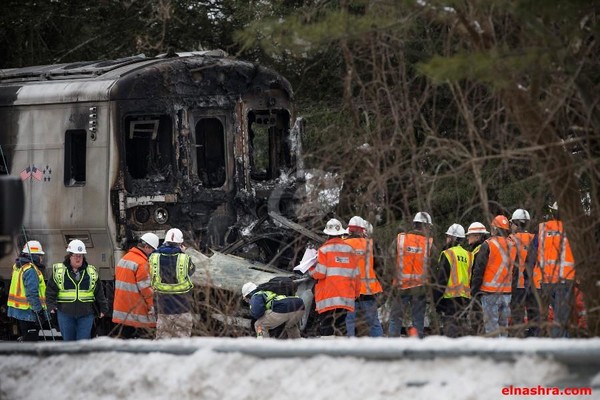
284,285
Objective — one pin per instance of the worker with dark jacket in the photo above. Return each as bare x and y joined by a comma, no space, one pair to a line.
411,279
476,235
75,293
170,274
491,278
452,292
271,311
524,308
27,293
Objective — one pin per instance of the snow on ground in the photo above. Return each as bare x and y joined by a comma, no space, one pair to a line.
217,368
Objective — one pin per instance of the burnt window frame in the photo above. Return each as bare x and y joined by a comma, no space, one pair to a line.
163,123
75,158
208,183
279,148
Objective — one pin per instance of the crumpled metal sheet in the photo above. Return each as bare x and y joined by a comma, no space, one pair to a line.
228,272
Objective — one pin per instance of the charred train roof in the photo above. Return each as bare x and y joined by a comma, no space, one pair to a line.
187,74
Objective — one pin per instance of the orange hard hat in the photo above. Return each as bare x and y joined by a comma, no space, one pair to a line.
500,221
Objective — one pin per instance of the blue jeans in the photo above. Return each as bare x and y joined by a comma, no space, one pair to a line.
398,310
496,311
558,295
368,306
75,328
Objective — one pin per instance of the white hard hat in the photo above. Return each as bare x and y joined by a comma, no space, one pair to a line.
475,228
76,246
33,247
456,230
334,228
423,218
151,239
174,235
554,206
356,223
248,288
520,214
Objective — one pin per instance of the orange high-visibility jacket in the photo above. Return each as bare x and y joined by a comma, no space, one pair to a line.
413,254
522,240
337,275
554,253
133,293
497,277
369,284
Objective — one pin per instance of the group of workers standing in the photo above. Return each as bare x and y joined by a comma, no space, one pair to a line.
497,274
473,285
152,290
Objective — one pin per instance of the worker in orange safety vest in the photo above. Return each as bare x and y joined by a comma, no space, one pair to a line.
369,284
338,280
491,278
409,285
551,251
133,307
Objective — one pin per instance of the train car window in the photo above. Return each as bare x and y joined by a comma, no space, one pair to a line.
210,152
75,155
148,146
268,136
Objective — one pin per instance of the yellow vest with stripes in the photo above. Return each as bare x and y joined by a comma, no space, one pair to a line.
59,272
184,283
17,295
461,262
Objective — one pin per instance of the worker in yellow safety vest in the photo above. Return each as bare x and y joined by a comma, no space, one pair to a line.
27,293
171,273
75,293
452,292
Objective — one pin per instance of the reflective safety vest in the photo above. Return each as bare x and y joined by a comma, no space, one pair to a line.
184,283
271,297
337,275
461,262
522,240
363,247
412,259
133,297
497,277
554,253
70,291
17,295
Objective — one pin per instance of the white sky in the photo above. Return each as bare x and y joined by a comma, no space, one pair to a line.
212,374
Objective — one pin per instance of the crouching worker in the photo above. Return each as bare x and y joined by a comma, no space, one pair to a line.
272,310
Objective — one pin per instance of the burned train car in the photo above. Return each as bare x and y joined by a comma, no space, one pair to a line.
111,149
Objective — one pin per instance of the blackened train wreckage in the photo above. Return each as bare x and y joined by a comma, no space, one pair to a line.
109,150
